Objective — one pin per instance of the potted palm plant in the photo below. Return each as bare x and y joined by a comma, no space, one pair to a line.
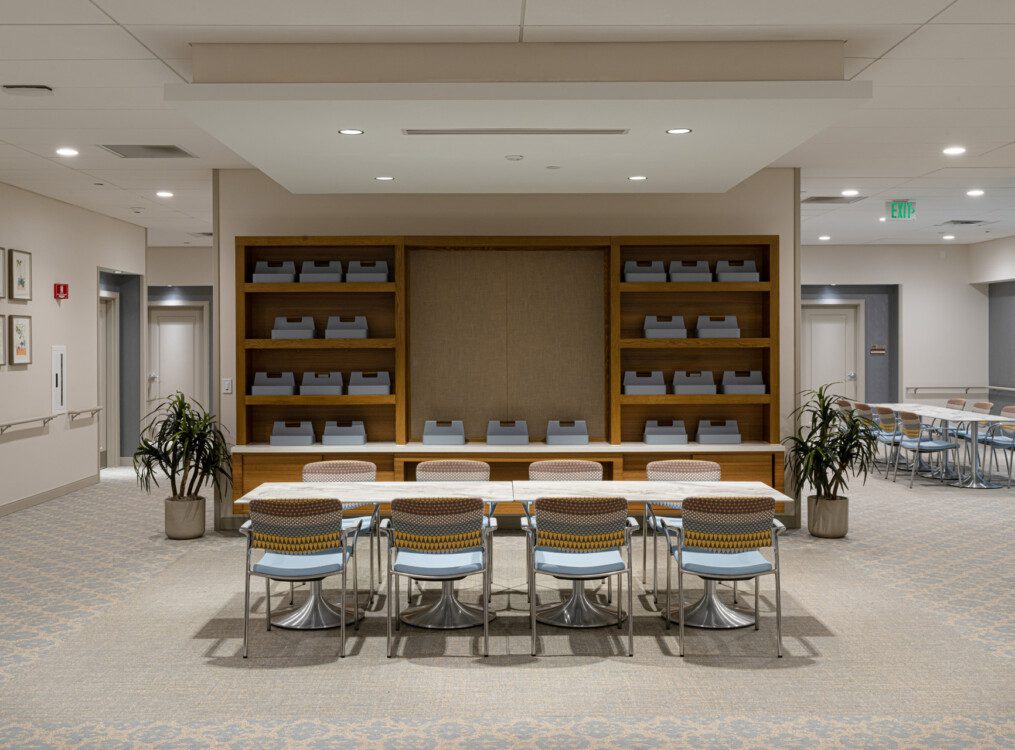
830,445
185,443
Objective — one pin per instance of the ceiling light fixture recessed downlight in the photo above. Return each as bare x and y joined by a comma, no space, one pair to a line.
850,193
883,218
514,157
164,194
637,177
678,131
954,151
384,178
824,238
948,236
66,151
350,131
974,193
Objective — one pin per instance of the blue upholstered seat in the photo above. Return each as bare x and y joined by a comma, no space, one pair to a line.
438,565
279,565
928,445
1000,441
725,564
579,563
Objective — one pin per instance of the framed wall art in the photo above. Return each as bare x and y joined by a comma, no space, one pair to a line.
20,278
19,340
3,339
3,273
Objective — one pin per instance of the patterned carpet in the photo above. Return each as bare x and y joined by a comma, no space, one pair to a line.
901,635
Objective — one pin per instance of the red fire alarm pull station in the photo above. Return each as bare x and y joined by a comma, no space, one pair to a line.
61,291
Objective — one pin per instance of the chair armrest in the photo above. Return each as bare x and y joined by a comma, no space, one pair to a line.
385,524
632,523
493,523
245,528
778,525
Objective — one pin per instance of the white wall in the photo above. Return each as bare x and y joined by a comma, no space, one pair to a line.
180,266
251,204
942,317
992,261
68,244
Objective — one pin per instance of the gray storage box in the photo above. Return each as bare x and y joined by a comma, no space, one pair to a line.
440,432
274,272
665,432
689,270
644,383
567,432
273,384
736,270
718,432
346,328
693,383
292,433
367,270
660,327
321,271
644,270
344,433
369,384
515,432
321,384
717,327
293,328
744,382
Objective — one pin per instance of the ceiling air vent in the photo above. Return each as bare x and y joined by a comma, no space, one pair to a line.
201,234
831,200
149,152
964,222
515,131
28,89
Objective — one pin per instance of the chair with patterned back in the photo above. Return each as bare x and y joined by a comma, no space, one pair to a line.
719,540
886,430
672,470
352,471
1002,437
956,403
919,440
578,539
436,539
304,539
966,434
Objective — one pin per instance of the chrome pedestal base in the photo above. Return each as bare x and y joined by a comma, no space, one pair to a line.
316,613
447,613
708,612
578,611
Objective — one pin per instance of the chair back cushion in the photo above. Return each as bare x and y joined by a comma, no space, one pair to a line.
453,470
566,470
437,525
982,407
580,524
885,418
957,403
684,470
728,524
340,471
1008,428
910,423
296,526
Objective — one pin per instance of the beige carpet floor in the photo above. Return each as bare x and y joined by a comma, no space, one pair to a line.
900,635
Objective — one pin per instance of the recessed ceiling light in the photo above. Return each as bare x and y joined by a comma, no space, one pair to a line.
954,150
164,194
553,166
384,179
637,177
678,131
974,193
824,238
948,236
850,192
514,157
350,131
883,218
66,151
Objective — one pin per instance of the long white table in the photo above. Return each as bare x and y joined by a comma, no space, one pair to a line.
946,416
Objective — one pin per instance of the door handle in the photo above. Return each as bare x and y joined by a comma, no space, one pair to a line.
153,376
851,376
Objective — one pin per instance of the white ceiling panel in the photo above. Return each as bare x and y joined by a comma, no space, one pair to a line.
50,11
92,119
999,72
173,42
956,178
316,12
962,97
979,11
69,43
853,66
958,41
729,12
941,117
87,97
974,138
155,179
89,73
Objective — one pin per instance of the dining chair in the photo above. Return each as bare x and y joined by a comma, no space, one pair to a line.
437,539
303,540
886,427
578,539
720,540
918,439
674,470
1001,436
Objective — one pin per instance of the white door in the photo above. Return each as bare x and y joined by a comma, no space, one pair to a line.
830,351
177,354
109,382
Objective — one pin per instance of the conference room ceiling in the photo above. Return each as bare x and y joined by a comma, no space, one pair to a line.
943,73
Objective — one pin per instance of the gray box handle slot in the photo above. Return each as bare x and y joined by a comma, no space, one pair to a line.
443,432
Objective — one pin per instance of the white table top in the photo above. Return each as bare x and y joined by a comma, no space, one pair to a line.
598,448
498,492
946,414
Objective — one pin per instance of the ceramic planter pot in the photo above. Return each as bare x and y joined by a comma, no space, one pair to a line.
185,518
828,519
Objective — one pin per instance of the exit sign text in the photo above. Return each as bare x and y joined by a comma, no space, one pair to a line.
900,209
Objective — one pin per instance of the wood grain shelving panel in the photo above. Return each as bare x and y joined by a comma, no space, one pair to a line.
339,288
752,343
320,344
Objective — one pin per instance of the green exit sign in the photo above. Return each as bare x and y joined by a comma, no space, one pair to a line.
900,209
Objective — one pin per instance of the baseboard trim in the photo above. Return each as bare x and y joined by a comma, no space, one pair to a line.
42,497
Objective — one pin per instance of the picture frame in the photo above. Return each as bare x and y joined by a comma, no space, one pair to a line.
19,339
3,273
3,340
19,280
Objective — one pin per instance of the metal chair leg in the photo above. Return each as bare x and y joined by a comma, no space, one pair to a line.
292,593
341,645
398,602
486,612
666,609
620,598
267,603
680,606
246,610
655,564
388,618
778,611
630,611
355,598
912,472
735,592
644,543
532,606
609,590
757,623
489,552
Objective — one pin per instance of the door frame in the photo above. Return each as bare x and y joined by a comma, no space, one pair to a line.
861,336
204,306
112,404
